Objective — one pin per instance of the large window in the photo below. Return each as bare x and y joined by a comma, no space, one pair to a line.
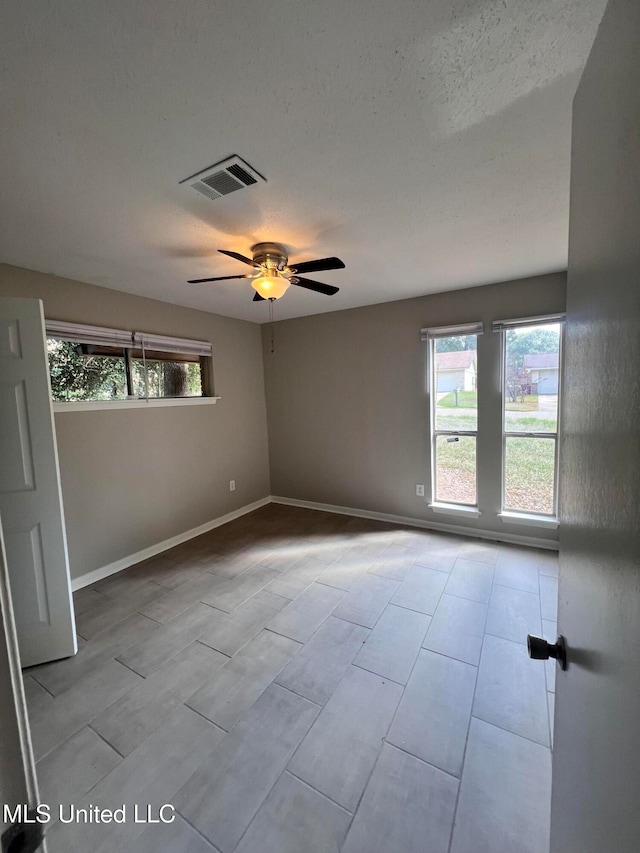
454,413
531,389
91,363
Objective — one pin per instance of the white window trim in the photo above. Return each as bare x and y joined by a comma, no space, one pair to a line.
528,519
138,403
466,510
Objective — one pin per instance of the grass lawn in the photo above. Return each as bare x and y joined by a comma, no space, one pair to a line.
469,400
528,476
530,404
449,419
466,400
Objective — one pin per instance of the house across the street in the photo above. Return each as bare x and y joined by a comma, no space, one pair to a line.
456,370
544,372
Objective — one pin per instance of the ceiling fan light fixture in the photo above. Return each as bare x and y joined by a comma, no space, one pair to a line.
271,285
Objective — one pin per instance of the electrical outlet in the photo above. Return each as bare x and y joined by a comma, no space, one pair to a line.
232,485
420,491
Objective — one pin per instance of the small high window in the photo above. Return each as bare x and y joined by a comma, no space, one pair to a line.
91,363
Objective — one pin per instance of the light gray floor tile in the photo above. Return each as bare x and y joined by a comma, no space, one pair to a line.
133,717
106,613
318,668
421,590
550,634
233,592
85,599
339,752
230,565
513,614
346,570
375,545
548,563
303,545
151,774
407,807
74,767
549,597
511,690
289,584
284,557
392,647
173,603
514,571
505,794
39,700
296,818
366,600
457,629
232,690
439,562
479,551
221,798
151,653
72,710
63,674
301,619
176,837
129,580
233,630
329,548
432,719
471,580
394,562
174,575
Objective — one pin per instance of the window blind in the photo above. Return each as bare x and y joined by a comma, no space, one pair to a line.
166,344
521,322
449,331
99,335
79,333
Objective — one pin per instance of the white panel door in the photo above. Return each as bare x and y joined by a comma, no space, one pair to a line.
30,497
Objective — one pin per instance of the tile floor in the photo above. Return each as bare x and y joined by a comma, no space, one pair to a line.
301,682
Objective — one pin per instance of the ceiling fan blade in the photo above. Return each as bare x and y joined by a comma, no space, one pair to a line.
258,298
318,286
239,257
219,278
319,265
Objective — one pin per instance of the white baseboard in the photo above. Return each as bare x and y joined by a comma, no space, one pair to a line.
531,541
153,550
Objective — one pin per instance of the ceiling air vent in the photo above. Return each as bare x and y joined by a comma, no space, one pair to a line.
224,178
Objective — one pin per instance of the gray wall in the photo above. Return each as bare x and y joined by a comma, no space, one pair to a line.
133,478
596,767
347,406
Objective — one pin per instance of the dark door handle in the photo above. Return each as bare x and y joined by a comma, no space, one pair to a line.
540,649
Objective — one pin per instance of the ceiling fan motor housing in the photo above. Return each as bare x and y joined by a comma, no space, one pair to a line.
273,256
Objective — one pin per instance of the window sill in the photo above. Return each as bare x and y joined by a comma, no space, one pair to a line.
455,509
102,405
529,520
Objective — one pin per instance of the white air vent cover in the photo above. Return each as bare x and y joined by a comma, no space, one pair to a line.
224,178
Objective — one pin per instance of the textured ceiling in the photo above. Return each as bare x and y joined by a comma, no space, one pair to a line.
425,142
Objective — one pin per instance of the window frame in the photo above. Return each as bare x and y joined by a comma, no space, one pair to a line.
509,513
131,344
431,336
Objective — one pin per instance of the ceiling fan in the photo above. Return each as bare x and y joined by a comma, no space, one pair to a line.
272,275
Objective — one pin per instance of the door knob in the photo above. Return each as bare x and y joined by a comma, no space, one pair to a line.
540,649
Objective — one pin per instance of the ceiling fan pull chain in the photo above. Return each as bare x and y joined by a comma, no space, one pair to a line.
273,346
